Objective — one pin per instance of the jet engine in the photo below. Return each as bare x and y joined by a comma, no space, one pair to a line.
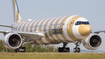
12,41
93,42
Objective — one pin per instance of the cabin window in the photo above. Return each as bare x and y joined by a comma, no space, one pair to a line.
81,22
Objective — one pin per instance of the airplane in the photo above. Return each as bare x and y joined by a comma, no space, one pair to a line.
67,29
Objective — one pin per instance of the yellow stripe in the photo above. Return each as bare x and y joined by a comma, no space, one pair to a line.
20,26
17,26
35,28
32,26
46,37
41,24
28,25
62,22
50,31
24,26
17,16
13,24
70,26
41,41
56,27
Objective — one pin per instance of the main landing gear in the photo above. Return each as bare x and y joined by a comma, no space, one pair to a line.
67,49
21,49
77,49
64,48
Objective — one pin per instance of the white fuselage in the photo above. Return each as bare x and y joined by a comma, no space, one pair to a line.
56,30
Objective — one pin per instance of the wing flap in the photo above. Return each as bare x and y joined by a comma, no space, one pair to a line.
4,31
28,35
32,35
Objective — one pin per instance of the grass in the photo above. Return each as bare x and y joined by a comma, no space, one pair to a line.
36,55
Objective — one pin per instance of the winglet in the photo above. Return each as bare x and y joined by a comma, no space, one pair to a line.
17,17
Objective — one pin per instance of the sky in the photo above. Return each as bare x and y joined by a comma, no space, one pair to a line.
92,10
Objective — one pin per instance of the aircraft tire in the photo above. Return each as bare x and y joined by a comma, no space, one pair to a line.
76,50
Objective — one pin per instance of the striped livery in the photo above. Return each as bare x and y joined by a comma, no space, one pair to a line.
56,30
67,29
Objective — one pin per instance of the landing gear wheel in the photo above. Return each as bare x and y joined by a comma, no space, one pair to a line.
64,48
17,50
76,50
21,49
61,49
67,49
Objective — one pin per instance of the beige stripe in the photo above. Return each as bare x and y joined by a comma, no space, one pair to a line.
41,24
14,26
35,28
50,31
23,29
42,30
17,26
46,37
56,27
32,26
40,40
70,26
20,26
17,16
62,22
28,25
21,20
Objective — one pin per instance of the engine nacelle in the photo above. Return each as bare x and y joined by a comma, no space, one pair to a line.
93,42
12,41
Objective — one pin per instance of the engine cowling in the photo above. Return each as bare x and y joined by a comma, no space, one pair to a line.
93,42
12,41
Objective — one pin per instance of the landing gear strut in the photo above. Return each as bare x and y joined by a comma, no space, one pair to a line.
77,49
64,48
21,49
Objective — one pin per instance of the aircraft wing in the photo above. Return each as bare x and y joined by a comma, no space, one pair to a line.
100,31
6,26
28,35
4,31
31,35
